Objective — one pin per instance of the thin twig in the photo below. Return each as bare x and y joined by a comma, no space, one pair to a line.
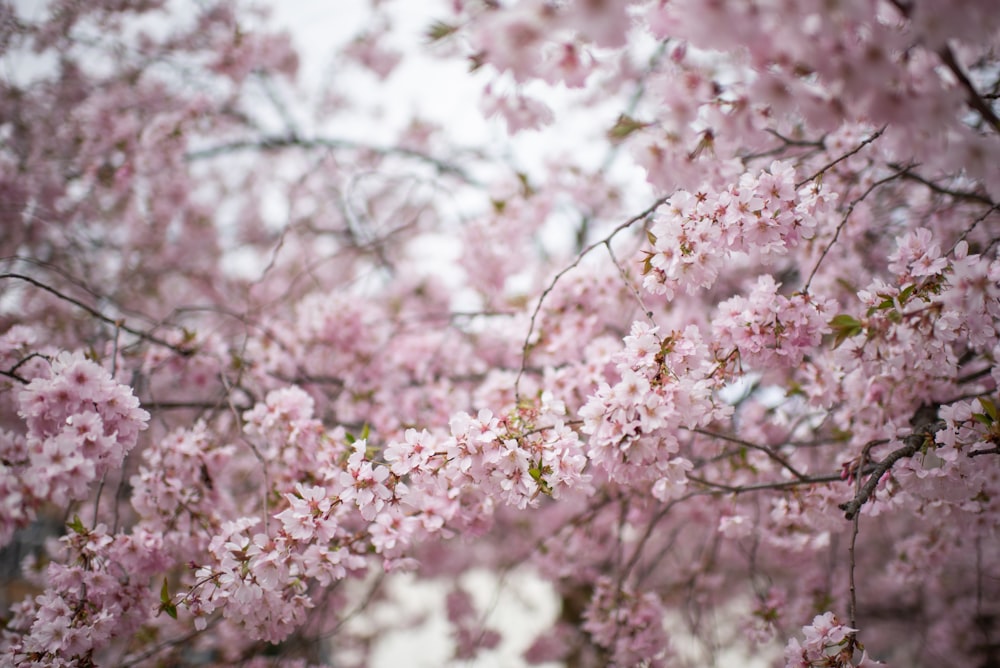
908,173
156,649
254,449
718,487
628,283
843,222
525,348
830,165
754,446
852,602
118,323
280,142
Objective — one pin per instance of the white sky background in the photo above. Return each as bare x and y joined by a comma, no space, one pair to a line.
443,91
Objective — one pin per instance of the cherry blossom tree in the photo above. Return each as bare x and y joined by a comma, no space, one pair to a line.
732,386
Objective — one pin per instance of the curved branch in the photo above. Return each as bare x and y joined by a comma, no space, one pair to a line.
280,142
773,454
911,445
719,488
119,323
972,96
565,270
830,165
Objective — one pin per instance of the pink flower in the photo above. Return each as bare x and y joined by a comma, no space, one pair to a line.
363,483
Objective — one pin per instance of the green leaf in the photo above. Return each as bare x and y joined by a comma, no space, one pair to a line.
989,407
844,326
845,320
166,604
983,420
526,188
365,430
647,264
76,525
624,126
349,437
907,293
536,472
439,30
841,435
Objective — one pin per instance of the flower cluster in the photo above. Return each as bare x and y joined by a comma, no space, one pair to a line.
517,458
629,624
770,330
763,215
184,488
827,643
665,383
325,531
81,423
96,590
251,581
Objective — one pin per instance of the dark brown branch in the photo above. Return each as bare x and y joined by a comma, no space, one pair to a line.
757,487
912,444
120,324
774,455
12,372
281,142
830,165
972,96
852,603
908,173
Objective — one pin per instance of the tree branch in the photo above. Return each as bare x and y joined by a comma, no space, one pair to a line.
774,455
911,445
119,323
565,270
972,96
757,487
830,165
280,142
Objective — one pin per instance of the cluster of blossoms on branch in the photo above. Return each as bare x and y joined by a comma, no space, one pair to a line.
696,234
737,373
80,424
